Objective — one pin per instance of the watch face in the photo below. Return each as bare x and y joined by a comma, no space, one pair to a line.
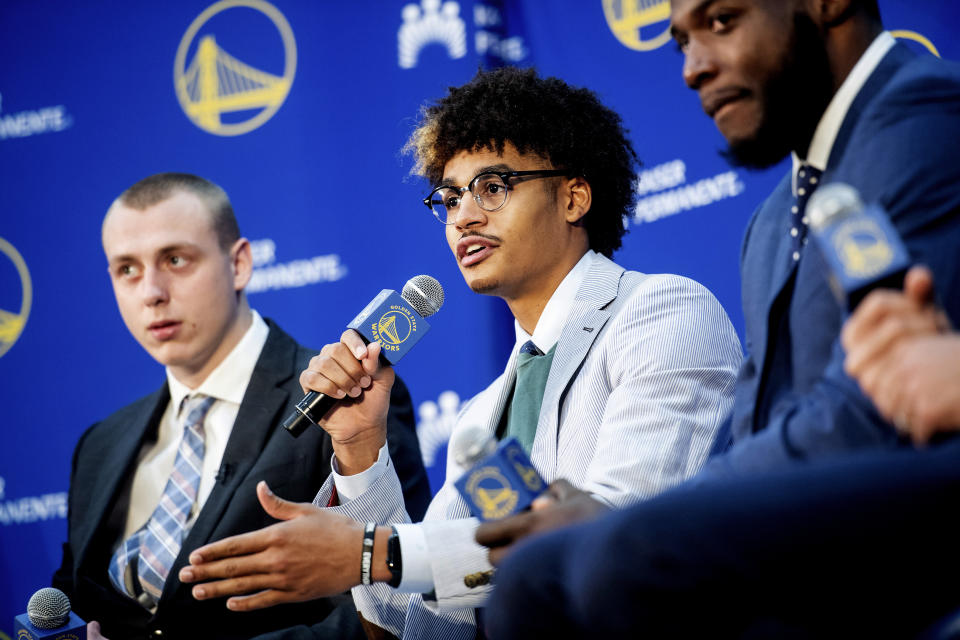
394,559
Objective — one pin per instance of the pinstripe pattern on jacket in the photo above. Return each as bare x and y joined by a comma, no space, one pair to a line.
641,381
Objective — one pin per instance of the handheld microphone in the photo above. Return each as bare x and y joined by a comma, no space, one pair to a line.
500,480
395,321
49,617
858,242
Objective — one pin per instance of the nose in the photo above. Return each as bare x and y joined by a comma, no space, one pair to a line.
699,64
469,213
154,288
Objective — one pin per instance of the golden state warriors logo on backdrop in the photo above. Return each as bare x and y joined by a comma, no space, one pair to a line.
394,327
863,248
642,25
220,93
15,287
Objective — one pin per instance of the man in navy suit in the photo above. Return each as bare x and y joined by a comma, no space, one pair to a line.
179,267
857,546
822,82
825,84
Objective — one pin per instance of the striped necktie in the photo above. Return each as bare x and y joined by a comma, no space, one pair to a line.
156,545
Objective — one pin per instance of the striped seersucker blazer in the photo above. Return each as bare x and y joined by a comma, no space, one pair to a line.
641,380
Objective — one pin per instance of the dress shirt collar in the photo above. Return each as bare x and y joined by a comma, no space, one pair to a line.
554,315
826,132
229,380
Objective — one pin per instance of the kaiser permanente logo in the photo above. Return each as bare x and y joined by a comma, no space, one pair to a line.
13,311
642,25
32,509
433,22
663,191
269,275
222,93
31,122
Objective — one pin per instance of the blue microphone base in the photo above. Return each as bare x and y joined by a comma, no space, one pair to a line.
74,629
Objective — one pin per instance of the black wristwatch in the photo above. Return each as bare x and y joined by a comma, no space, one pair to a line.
394,558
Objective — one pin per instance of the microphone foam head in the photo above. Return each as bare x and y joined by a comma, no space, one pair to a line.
831,202
424,294
48,608
472,444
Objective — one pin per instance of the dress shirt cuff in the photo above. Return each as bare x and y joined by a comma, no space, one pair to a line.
349,487
417,574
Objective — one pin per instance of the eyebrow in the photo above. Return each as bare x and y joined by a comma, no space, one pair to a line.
126,257
697,10
493,168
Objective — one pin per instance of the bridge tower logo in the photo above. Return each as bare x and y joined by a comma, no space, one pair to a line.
215,82
643,25
13,322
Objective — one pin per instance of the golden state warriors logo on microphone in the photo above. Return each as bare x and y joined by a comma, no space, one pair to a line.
15,296
394,327
242,59
862,248
643,25
490,491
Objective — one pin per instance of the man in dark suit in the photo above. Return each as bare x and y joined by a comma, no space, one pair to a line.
143,494
857,546
793,530
823,83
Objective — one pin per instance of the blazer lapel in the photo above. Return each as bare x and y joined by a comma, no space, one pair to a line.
587,318
262,402
125,440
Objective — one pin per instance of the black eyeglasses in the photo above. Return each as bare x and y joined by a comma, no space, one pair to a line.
489,190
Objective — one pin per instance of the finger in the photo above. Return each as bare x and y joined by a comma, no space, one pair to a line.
334,371
241,545
238,586
371,359
279,508
884,336
93,631
226,568
563,490
496,556
918,285
502,532
354,342
543,501
267,598
870,313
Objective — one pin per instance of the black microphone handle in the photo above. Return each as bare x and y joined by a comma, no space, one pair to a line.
308,411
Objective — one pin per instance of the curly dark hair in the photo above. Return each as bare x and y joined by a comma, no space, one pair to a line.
566,125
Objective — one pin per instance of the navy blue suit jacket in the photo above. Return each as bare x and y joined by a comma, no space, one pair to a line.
855,546
258,449
898,147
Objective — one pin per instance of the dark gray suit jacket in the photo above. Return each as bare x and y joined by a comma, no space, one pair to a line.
258,449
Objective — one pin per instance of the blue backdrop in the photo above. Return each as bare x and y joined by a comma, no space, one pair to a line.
299,110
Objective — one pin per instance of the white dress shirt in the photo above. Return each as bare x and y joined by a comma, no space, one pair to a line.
227,383
417,573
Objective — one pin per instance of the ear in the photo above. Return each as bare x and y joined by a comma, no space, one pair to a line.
241,261
832,12
578,197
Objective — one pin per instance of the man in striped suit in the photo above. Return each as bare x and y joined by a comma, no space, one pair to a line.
618,380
